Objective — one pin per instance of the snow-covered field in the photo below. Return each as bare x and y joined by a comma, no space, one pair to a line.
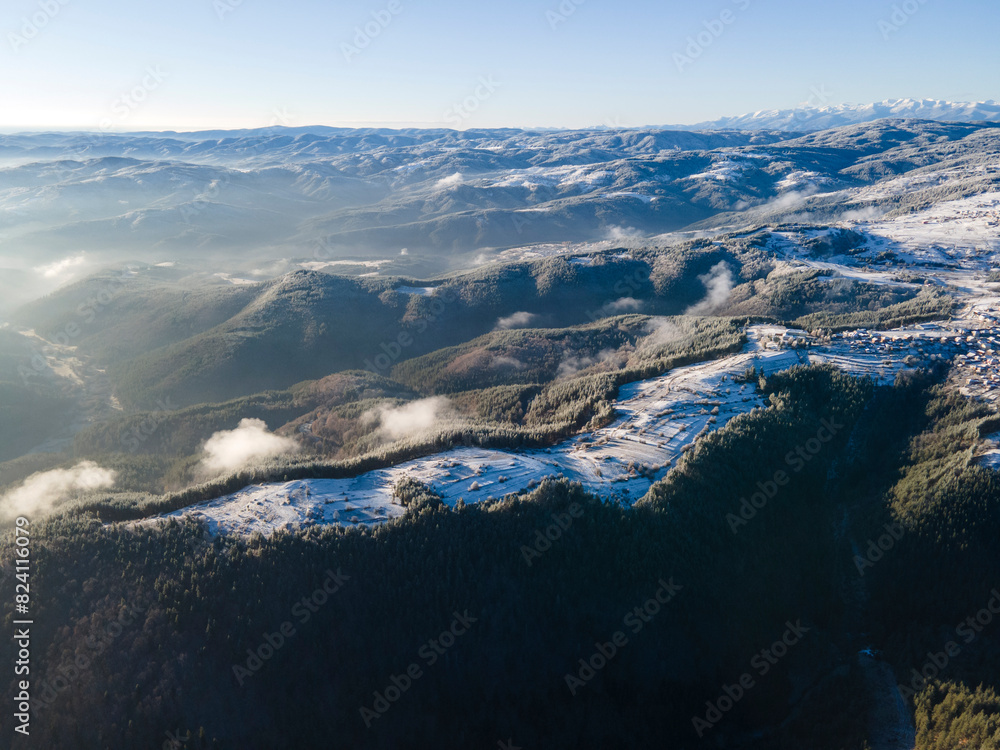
658,419
969,227
962,233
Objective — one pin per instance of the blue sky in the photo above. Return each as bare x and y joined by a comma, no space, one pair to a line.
194,64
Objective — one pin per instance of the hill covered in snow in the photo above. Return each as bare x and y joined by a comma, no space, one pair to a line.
837,115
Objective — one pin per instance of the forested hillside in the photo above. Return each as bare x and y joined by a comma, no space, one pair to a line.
162,334
523,613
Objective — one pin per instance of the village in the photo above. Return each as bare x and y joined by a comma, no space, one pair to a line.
970,343
980,364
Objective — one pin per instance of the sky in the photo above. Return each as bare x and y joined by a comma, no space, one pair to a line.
126,65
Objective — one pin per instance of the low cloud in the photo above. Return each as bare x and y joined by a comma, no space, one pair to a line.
616,233
502,363
276,268
662,332
40,494
517,320
414,418
623,305
60,267
230,450
450,181
718,285
791,199
571,366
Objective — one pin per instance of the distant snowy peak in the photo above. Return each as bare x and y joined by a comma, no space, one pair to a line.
834,116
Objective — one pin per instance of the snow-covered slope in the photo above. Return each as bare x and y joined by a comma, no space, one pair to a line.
837,115
658,420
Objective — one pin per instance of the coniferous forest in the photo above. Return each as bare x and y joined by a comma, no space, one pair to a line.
558,619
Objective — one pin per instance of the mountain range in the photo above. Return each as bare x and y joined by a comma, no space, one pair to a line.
419,203
836,115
